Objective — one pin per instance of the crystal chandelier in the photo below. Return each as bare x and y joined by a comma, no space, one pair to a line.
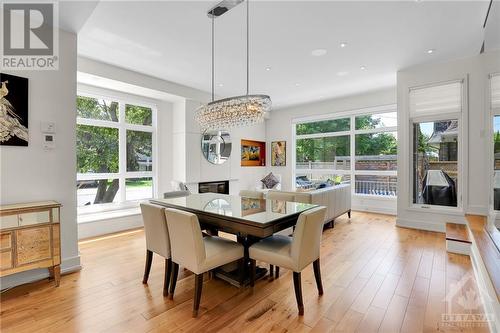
234,111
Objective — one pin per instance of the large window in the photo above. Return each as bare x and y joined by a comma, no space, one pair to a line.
435,113
495,111
115,153
325,149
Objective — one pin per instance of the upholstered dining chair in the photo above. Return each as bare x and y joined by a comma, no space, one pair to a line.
294,253
157,240
197,253
251,194
278,195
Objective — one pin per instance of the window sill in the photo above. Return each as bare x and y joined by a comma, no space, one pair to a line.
377,197
435,209
108,215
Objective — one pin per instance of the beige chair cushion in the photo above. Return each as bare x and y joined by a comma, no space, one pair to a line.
251,194
297,252
191,250
220,251
275,250
155,228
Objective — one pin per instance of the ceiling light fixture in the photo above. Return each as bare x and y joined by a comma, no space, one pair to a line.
342,73
268,69
234,111
319,52
342,45
363,68
431,51
297,84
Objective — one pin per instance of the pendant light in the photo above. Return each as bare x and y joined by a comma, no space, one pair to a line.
237,111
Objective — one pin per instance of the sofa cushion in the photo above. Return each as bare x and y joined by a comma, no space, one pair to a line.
270,181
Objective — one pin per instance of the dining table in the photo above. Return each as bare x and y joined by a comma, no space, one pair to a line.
249,219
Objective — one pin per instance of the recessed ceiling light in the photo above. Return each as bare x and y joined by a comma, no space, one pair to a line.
268,69
431,51
343,73
297,84
318,52
343,44
363,68
221,85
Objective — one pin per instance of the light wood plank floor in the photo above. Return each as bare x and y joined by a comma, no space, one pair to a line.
376,277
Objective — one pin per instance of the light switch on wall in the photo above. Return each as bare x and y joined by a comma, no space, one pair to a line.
48,127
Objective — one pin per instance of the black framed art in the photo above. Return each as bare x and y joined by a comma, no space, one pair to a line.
13,110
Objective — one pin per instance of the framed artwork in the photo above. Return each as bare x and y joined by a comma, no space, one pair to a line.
251,206
278,153
253,153
278,206
13,110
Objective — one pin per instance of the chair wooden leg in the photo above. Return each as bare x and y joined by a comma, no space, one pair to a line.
271,272
198,286
252,272
168,272
298,292
147,268
173,282
317,275
349,213
277,272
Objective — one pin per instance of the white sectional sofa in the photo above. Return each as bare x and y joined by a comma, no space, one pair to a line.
336,199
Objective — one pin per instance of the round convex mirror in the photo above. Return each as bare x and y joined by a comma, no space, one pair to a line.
216,146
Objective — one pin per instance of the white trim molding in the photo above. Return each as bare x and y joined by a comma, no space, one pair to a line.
421,225
68,265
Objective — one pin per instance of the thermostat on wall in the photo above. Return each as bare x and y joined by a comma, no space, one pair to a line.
48,127
49,141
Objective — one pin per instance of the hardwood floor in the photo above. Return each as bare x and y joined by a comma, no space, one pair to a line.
376,277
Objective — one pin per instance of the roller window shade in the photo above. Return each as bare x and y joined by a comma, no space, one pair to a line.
432,100
495,91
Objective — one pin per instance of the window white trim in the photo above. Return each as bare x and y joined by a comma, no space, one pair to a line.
352,132
462,169
493,112
345,114
122,127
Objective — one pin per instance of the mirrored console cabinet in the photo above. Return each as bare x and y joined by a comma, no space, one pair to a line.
30,238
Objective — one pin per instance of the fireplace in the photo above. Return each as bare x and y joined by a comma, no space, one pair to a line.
214,187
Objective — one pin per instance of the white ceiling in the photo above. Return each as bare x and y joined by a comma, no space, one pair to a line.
171,40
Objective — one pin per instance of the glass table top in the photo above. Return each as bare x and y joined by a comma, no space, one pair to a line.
242,208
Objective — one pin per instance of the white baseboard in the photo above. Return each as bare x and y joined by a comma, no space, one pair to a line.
109,226
486,290
422,225
375,209
477,210
68,265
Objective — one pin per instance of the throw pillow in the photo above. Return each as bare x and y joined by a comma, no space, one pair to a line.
270,181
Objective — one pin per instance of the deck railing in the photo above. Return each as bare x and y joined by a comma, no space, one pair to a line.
375,187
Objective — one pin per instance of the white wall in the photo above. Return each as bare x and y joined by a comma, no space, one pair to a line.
279,127
33,174
191,167
476,177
